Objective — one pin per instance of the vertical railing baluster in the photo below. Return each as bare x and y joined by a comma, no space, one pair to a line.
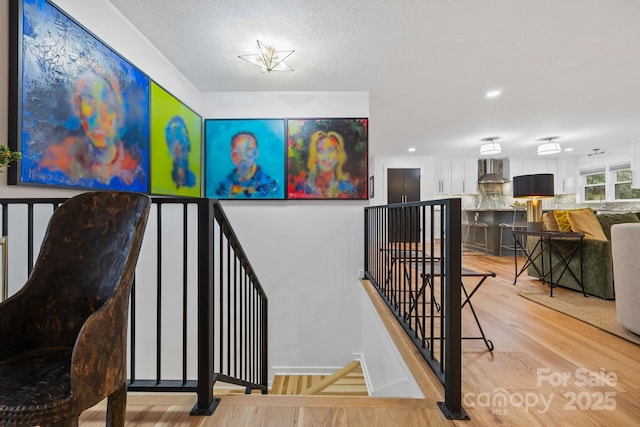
228,331
132,333
185,290
245,327
4,242
221,301
238,332
206,313
159,294
30,238
391,258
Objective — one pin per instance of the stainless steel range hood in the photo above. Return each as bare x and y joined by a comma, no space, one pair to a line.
490,171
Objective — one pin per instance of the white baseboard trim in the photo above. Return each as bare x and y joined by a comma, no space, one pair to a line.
360,358
317,370
304,370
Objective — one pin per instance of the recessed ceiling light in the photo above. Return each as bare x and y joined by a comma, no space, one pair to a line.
412,149
493,93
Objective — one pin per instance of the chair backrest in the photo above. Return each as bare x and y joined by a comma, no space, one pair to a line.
88,254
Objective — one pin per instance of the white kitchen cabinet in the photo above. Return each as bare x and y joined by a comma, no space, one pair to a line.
456,176
564,171
531,166
516,166
567,176
440,168
470,183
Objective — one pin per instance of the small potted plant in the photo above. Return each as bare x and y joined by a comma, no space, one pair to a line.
518,204
7,156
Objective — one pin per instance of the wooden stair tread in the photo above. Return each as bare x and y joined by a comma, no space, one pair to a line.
347,381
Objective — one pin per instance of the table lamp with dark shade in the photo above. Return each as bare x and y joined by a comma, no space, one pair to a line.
533,187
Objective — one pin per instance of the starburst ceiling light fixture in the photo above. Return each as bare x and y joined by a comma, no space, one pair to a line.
490,146
549,147
269,59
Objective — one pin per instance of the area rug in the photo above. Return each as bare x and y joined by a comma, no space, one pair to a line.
592,310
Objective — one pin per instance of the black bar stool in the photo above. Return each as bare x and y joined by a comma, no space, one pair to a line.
474,224
514,225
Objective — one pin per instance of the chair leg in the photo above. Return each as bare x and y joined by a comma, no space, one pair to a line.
472,229
486,242
466,237
116,407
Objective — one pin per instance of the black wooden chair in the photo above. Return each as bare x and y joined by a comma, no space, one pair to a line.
63,336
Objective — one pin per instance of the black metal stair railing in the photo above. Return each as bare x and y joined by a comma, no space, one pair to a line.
413,258
195,290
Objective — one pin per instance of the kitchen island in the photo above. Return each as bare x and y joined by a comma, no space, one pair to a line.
493,217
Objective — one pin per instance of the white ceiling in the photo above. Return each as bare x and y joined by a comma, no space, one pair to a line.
567,68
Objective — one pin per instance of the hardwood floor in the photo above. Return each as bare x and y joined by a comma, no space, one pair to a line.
535,347
547,369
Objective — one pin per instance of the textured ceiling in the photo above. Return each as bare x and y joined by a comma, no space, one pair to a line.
568,68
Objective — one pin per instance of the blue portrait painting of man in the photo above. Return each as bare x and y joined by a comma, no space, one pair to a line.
85,108
245,158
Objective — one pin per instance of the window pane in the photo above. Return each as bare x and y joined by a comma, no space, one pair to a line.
623,175
624,191
594,193
597,178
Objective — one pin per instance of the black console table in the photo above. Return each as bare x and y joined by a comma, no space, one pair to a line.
546,242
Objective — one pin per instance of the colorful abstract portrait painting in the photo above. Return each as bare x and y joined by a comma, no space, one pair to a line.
327,158
84,108
176,142
245,158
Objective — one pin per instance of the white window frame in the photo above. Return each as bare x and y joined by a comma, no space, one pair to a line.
613,169
583,183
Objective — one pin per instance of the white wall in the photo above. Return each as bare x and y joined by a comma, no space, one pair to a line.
386,371
307,254
613,157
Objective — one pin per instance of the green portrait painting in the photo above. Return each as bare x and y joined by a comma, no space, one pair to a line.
176,141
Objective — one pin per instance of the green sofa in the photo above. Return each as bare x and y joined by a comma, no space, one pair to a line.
597,265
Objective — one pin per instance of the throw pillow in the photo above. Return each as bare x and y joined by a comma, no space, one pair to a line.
549,222
562,218
609,219
585,221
